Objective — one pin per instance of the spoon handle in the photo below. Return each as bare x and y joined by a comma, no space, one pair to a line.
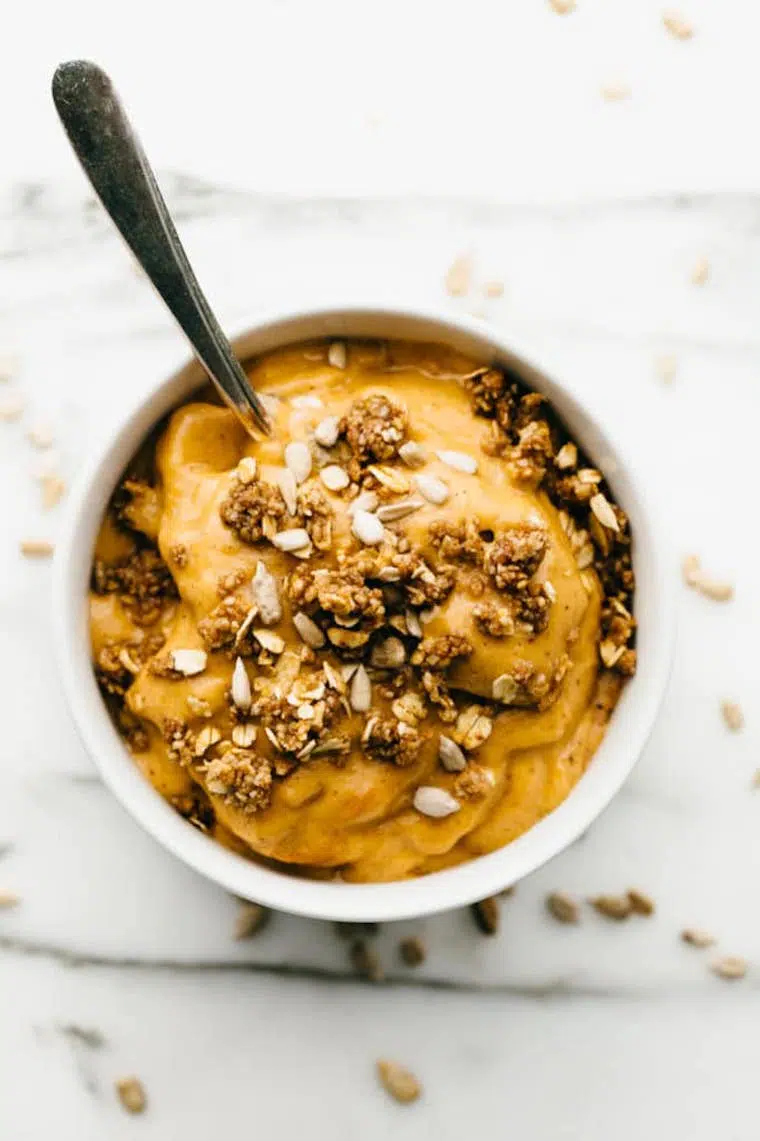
114,162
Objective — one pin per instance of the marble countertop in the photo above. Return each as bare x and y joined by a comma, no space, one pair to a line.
119,960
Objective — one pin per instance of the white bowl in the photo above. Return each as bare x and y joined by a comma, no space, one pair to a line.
624,740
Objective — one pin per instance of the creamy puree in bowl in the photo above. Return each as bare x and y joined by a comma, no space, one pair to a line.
380,642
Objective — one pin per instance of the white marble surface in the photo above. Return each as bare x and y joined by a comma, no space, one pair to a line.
542,1031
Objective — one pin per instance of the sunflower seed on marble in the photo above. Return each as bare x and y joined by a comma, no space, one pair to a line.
240,689
412,454
695,937
270,641
435,802
337,354
131,1094
243,735
504,689
360,693
388,654
604,511
327,431
729,967
308,630
365,501
397,1080
298,461
390,512
294,540
460,461
562,907
367,528
265,594
732,715
450,755
188,662
286,482
432,489
334,477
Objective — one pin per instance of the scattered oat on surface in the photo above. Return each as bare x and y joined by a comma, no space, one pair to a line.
562,7
40,436
677,25
703,583
732,715
37,548
493,289
641,904
412,951
11,408
730,967
700,271
398,1081
53,489
695,937
366,962
9,366
459,276
615,92
486,913
9,899
251,919
563,907
756,779
612,906
666,367
131,1093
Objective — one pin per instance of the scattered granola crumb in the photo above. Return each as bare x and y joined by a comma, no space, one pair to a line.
562,7
667,367
678,27
131,1094
40,436
459,276
641,904
615,92
9,899
700,581
612,906
365,962
399,1082
700,271
695,937
11,408
730,967
251,919
486,914
562,907
732,715
53,490
412,951
493,289
36,548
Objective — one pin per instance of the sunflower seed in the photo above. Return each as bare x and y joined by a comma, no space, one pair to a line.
610,653
41,436
695,937
666,367
435,802
337,354
298,461
562,907
240,689
460,461
615,92
131,1094
562,7
459,276
678,27
251,919
334,478
308,630
413,624
700,272
450,755
566,457
188,662
612,906
389,478
207,737
504,689
307,400
243,735
246,469
641,904
390,512
265,595
327,431
271,642
286,482
388,654
294,540
360,694
732,715
729,967
365,501
432,489
604,512
36,548
412,454
399,1082
367,528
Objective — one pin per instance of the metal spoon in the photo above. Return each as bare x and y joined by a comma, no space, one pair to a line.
113,160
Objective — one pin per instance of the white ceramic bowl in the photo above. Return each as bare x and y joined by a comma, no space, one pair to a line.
626,735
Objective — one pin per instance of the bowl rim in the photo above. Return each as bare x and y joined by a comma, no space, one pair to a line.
482,876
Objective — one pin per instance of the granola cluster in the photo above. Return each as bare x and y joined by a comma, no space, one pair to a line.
142,581
375,428
252,509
